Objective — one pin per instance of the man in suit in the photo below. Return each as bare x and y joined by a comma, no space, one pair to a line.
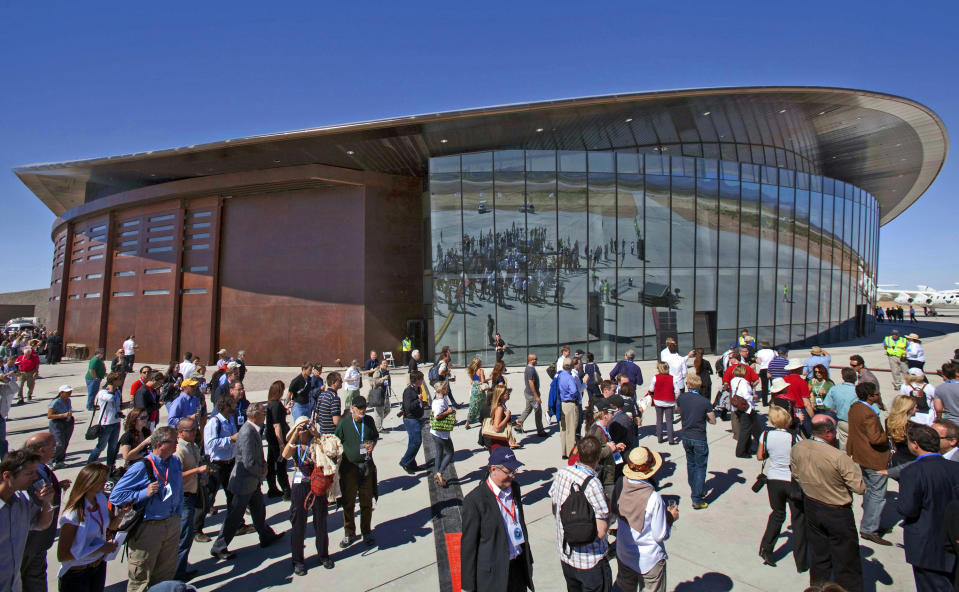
925,489
248,473
868,446
622,428
494,531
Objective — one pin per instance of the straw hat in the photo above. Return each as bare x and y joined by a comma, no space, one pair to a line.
778,386
794,364
642,463
817,351
299,421
912,336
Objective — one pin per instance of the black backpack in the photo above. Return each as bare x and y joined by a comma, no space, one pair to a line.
577,517
169,392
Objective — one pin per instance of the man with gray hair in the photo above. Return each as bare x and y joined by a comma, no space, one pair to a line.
33,567
154,484
628,367
248,473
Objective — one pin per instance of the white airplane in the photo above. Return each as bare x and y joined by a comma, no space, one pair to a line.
924,296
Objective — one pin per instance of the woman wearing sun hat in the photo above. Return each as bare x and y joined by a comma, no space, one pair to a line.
645,522
915,356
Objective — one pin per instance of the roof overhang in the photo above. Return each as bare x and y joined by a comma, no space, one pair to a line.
888,145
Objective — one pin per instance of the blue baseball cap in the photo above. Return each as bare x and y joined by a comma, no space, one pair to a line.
504,457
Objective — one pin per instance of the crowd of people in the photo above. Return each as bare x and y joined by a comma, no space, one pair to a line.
820,441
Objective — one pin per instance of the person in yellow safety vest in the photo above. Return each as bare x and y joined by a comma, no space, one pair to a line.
746,340
896,353
407,347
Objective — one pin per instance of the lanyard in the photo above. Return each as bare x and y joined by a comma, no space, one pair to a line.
95,516
511,510
605,431
164,480
585,469
359,430
302,454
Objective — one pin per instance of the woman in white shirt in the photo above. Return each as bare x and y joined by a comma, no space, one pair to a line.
748,424
87,528
915,356
775,446
442,443
923,393
108,417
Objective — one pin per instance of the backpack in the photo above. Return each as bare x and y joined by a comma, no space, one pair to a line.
319,484
131,520
434,374
551,371
577,517
169,392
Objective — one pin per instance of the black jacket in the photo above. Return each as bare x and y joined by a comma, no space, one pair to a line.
925,489
484,547
412,404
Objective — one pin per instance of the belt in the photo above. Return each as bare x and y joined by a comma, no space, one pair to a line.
87,566
829,505
223,462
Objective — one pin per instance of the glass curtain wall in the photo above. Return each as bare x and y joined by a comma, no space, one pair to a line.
609,251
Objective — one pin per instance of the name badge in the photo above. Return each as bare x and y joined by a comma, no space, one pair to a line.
167,492
516,534
618,458
297,478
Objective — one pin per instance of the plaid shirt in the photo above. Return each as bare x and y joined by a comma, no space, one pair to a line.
582,556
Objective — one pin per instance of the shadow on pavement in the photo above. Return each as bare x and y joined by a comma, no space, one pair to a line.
722,482
708,582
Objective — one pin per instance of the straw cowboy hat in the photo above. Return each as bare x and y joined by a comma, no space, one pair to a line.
912,336
299,421
642,463
778,386
794,364
817,351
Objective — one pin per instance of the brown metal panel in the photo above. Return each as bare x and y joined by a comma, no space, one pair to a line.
393,283
177,281
291,275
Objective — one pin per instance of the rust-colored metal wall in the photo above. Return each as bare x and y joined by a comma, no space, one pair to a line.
289,266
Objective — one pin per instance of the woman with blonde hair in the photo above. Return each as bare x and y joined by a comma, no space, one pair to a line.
897,427
775,446
477,394
87,528
500,419
664,399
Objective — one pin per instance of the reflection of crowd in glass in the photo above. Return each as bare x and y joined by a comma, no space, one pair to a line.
505,265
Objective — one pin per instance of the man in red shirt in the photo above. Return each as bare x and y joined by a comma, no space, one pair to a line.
144,372
28,364
735,359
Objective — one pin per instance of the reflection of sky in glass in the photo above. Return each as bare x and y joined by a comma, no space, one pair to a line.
607,251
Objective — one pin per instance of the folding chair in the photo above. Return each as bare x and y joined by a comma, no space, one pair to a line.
388,356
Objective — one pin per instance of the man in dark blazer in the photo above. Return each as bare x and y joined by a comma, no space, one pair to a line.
494,531
248,473
622,429
925,489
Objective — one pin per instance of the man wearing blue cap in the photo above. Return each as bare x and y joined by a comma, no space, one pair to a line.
494,531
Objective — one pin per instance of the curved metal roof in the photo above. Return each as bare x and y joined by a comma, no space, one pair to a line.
888,145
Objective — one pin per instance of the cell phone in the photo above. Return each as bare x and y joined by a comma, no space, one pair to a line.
37,485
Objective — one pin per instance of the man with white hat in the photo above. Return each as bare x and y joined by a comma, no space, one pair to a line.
60,414
222,359
896,354
817,356
645,523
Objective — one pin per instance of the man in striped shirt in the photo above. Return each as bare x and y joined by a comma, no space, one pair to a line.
326,412
777,366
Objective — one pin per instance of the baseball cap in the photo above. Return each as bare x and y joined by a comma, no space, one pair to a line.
66,388
601,404
190,382
222,351
504,457
615,401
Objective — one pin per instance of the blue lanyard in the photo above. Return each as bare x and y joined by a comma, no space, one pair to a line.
359,431
585,469
605,431
302,454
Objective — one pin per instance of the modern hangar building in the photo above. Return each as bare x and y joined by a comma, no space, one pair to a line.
605,223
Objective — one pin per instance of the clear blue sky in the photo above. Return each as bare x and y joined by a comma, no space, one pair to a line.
97,79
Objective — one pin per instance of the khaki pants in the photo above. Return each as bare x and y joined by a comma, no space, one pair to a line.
654,580
28,378
153,553
842,432
567,426
898,367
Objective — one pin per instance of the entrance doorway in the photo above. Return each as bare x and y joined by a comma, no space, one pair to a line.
704,330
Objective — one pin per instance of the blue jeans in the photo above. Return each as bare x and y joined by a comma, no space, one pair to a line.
301,410
109,439
187,511
93,387
873,500
414,429
443,453
697,454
